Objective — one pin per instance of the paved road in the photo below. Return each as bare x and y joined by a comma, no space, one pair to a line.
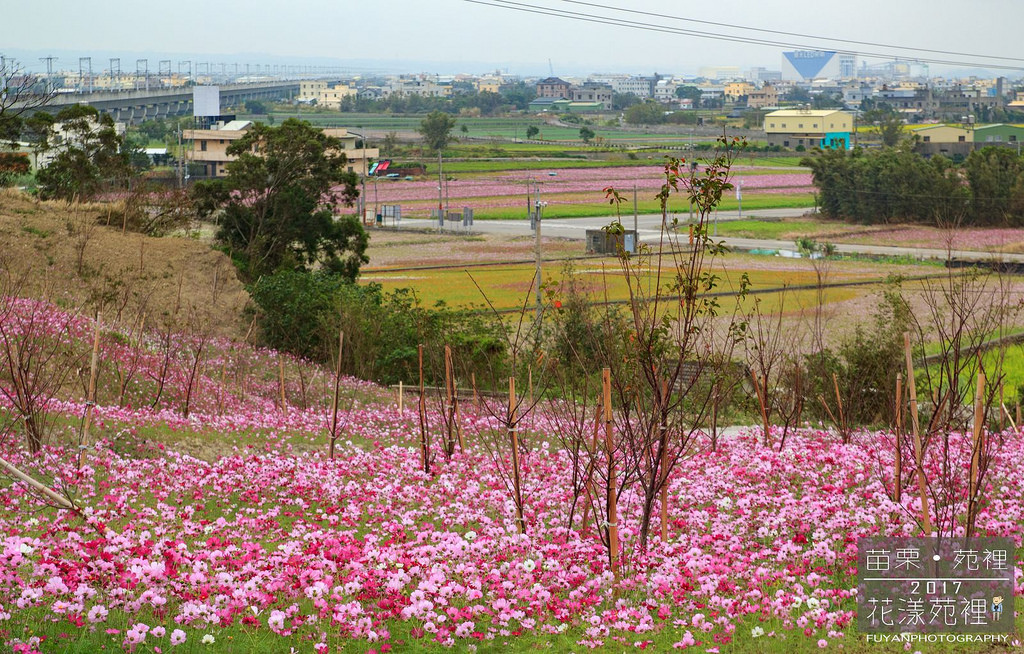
649,230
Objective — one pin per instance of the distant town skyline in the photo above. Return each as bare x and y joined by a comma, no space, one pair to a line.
528,37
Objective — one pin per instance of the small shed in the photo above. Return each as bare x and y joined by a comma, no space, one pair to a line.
601,242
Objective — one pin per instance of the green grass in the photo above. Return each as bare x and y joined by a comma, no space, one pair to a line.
772,229
751,203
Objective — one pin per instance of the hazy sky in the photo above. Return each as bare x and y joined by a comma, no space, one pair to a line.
449,36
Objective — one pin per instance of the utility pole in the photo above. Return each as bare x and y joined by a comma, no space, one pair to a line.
537,282
440,191
636,217
739,200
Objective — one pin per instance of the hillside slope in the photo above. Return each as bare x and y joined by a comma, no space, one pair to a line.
68,255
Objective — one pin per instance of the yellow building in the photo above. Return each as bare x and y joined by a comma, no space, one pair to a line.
488,84
736,90
359,159
209,146
809,128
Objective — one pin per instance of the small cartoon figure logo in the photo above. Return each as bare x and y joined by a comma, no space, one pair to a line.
997,608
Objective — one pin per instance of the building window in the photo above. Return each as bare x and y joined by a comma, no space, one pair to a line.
961,139
202,146
785,144
927,139
800,126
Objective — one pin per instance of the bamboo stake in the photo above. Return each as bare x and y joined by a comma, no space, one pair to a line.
898,494
90,401
613,511
515,454
476,397
839,401
761,400
1002,421
1013,424
62,501
280,369
529,372
401,398
664,467
424,458
589,485
1018,413
220,389
976,447
337,391
922,483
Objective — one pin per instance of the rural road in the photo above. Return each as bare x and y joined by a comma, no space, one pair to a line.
648,228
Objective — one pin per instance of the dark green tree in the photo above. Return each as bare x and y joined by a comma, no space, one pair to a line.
691,92
532,131
994,176
587,134
91,155
276,208
646,113
436,130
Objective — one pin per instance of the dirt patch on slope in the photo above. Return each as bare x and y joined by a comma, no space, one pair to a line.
69,255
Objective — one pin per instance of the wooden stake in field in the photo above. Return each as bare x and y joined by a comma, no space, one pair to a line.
280,369
664,465
589,485
424,449
976,449
337,393
613,510
220,388
516,482
90,400
762,399
922,483
898,430
401,398
476,396
453,398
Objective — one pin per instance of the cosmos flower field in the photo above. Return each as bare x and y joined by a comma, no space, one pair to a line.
231,530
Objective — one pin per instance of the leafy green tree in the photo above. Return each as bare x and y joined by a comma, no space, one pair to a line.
646,113
621,101
532,131
91,156
436,130
691,92
256,107
276,207
587,134
994,175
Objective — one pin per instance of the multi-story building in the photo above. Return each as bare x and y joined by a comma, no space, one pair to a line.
554,87
735,90
209,147
593,92
762,98
808,128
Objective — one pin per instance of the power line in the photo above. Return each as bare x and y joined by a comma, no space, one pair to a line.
648,27
783,33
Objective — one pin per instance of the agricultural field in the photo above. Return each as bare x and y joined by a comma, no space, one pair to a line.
217,521
574,192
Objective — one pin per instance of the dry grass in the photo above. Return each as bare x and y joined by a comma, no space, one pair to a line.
69,255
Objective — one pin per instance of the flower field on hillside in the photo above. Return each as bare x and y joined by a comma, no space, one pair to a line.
271,546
